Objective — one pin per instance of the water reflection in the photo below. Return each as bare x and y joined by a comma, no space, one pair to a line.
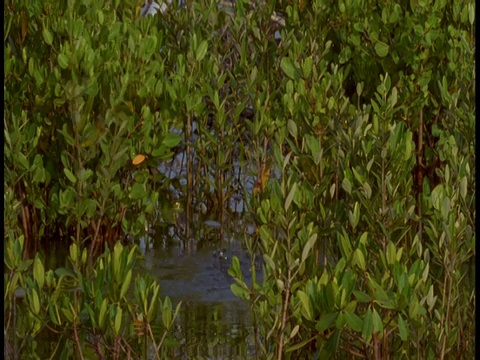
213,323
213,330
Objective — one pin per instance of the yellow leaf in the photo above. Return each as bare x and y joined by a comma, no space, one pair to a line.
138,159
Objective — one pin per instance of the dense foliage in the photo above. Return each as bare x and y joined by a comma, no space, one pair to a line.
364,109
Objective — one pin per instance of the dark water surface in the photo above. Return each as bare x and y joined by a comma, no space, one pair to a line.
212,323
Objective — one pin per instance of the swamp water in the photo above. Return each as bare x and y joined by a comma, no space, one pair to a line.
212,322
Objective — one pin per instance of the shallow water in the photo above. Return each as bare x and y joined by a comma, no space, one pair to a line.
212,323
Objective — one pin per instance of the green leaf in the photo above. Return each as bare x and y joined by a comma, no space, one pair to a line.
413,307
126,283
155,300
408,146
377,291
70,175
35,301
240,292
377,322
359,259
64,272
103,313
118,320
269,262
47,36
463,187
201,50
167,313
235,270
367,328
308,246
345,246
68,314
294,331
315,148
307,310
307,67
85,175
147,47
354,321
471,13
402,328
354,217
391,253
137,192
381,49
325,321
289,68
54,316
74,252
362,296
298,346
331,293
395,14
290,196
171,140
39,272
347,185
87,207
62,61
393,97
292,128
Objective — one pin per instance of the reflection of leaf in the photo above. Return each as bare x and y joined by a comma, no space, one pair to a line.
24,22
138,325
262,179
